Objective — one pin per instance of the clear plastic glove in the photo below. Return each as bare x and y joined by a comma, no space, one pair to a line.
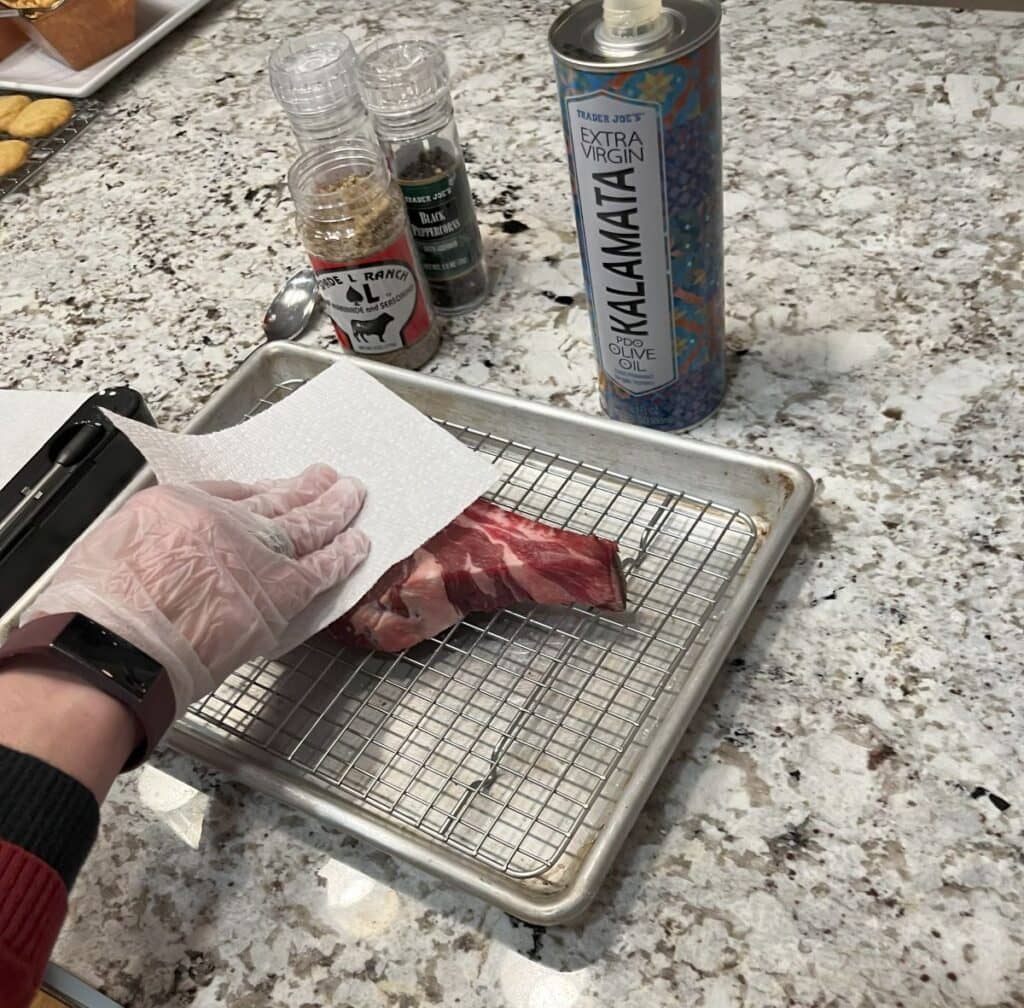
205,577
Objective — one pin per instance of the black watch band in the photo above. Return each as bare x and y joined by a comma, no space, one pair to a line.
89,651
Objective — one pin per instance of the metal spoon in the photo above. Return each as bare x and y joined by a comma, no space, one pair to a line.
293,307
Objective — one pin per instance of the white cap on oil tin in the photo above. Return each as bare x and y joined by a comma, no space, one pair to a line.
630,17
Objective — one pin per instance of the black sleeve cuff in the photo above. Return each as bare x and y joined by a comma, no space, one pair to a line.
46,812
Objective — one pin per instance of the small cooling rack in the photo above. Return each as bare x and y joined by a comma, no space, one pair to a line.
45,148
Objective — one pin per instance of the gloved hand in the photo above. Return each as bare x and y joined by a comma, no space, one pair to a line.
206,577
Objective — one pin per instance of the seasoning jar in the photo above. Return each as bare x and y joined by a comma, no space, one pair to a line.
405,87
314,79
351,218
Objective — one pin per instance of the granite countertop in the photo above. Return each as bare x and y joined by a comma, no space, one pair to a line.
842,825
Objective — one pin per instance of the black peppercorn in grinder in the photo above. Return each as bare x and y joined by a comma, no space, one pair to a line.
405,87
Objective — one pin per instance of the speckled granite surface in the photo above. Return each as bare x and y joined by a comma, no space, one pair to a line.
842,826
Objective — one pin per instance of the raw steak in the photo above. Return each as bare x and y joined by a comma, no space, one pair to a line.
485,560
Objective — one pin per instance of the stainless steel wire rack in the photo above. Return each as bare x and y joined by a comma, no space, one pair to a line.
511,754
507,737
42,149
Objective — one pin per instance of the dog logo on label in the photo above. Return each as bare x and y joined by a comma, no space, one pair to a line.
371,303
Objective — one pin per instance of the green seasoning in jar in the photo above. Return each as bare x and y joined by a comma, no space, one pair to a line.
352,222
405,88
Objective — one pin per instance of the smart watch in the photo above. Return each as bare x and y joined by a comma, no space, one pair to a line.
85,649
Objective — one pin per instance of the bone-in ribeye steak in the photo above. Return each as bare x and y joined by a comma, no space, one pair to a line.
486,559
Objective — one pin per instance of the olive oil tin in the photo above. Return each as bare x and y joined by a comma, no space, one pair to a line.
642,121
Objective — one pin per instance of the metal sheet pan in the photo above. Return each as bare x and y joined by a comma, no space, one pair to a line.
511,754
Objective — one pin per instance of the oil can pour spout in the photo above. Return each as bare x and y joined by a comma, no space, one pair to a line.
631,21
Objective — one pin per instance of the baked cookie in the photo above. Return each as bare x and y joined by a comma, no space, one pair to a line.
10,106
41,118
13,154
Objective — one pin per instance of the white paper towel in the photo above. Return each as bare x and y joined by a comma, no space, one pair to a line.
418,477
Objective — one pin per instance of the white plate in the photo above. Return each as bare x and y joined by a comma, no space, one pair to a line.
30,69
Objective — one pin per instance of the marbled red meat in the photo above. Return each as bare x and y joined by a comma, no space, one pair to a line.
486,559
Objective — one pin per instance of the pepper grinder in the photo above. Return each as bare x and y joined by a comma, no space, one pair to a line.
405,87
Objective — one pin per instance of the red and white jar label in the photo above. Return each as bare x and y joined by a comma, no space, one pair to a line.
377,304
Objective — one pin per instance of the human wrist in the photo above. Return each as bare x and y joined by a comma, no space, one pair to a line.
155,637
51,714
100,656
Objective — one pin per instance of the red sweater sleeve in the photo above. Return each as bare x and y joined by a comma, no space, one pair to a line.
33,902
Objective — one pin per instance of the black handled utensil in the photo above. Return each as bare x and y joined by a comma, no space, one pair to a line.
64,487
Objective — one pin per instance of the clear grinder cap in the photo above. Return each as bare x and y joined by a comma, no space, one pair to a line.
315,73
401,77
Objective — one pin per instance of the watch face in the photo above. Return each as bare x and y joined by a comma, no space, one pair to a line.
104,651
